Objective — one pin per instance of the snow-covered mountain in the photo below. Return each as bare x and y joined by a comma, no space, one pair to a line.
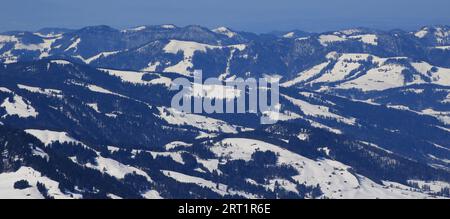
367,72
86,114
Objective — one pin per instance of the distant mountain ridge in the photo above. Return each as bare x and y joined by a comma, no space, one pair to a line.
285,54
87,114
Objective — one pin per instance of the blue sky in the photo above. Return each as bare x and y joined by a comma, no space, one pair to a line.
249,15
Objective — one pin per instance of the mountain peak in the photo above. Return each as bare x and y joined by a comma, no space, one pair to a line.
168,26
225,31
97,29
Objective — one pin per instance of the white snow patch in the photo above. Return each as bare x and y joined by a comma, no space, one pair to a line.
44,47
289,35
438,75
376,146
218,188
136,77
40,153
325,150
447,161
175,156
176,144
175,117
442,47
18,106
112,196
215,91
188,48
305,75
303,136
440,146
111,115
319,111
334,178
73,45
94,106
112,149
152,66
5,90
326,40
100,55
224,31
302,38
434,186
281,116
183,178
152,194
371,39
60,62
48,137
422,33
350,31
443,116
98,89
340,71
115,168
47,92
134,29
168,26
381,78
7,181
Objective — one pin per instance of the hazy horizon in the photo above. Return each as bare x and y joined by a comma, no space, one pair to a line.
213,27
259,16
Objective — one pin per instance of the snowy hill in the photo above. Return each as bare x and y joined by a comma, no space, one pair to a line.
87,114
368,73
